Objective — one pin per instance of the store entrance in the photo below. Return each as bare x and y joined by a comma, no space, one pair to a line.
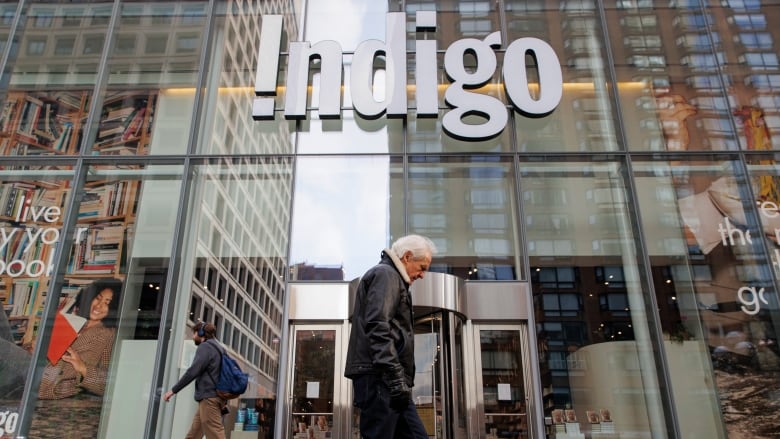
471,376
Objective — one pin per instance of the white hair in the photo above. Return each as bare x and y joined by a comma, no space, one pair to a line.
420,246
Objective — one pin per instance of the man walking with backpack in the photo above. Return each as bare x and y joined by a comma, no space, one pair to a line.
204,370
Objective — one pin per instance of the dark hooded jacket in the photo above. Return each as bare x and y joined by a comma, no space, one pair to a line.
382,334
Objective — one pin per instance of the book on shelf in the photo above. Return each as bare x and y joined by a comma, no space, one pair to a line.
47,131
63,139
104,201
69,99
99,252
7,115
133,128
24,297
118,149
17,148
107,131
120,113
69,294
31,112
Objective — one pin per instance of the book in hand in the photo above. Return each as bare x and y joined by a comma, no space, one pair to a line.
66,329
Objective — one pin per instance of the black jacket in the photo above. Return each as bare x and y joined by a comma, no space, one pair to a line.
382,334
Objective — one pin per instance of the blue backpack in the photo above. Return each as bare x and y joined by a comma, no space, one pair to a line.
232,380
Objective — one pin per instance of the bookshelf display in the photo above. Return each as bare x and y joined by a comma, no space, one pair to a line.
126,123
106,219
30,223
42,123
51,123
31,220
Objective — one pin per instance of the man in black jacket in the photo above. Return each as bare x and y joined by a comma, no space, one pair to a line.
380,356
205,371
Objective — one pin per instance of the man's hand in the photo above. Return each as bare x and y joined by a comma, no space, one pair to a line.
168,395
400,393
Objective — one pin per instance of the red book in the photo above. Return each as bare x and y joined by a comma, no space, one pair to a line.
66,329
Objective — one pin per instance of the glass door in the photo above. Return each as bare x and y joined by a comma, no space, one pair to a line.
501,380
316,382
428,387
438,389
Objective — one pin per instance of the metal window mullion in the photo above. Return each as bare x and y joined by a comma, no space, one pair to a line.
57,278
96,102
645,273
171,296
5,75
202,79
60,258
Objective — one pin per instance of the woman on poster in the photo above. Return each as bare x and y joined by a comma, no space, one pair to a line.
84,365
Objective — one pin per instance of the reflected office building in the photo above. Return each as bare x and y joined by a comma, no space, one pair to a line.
600,180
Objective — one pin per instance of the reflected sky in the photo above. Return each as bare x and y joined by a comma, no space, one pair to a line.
358,20
348,136
341,212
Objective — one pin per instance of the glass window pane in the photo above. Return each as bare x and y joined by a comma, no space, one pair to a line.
712,281
33,201
503,390
352,134
457,188
470,19
361,216
717,80
355,24
96,295
584,120
226,126
592,354
7,14
424,135
237,222
46,104
150,118
313,381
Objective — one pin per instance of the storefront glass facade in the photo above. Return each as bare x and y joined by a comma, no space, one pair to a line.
189,161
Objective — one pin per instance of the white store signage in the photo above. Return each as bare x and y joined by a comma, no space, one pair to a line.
459,95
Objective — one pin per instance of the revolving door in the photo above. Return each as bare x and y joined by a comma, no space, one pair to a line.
439,385
473,374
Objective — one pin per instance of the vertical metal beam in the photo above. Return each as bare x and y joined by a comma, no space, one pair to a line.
643,259
173,293
62,252
11,48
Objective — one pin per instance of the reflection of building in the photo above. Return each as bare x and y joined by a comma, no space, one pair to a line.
608,211
316,272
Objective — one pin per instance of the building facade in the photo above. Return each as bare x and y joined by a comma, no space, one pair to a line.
598,176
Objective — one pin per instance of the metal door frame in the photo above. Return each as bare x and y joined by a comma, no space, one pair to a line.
342,395
486,305
476,407
447,370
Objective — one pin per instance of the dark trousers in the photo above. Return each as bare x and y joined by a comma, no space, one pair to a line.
377,419
14,362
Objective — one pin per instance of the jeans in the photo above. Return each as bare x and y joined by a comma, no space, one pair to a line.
377,419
